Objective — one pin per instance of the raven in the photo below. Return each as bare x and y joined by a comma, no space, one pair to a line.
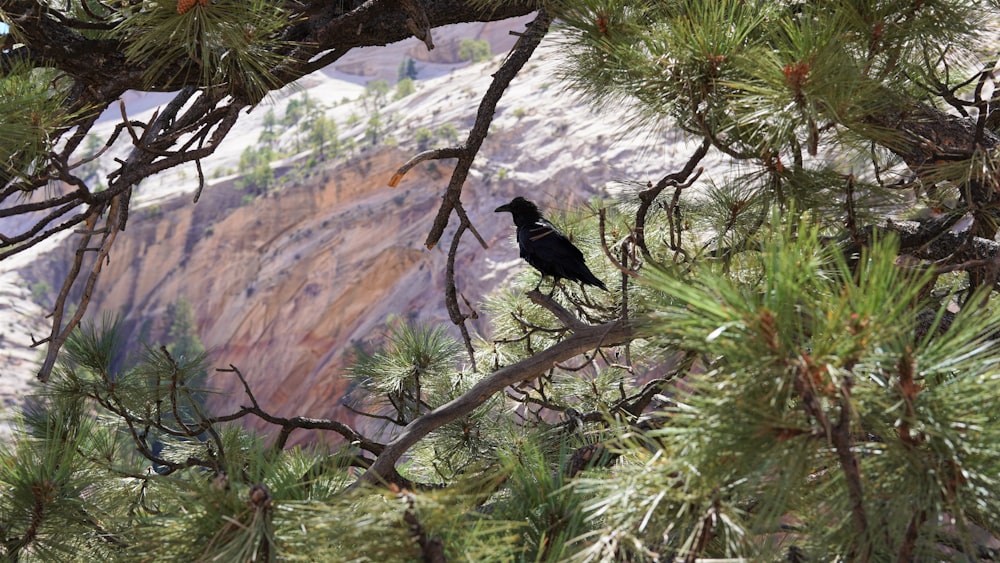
545,248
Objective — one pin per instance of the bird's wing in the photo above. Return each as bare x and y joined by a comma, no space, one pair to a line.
547,249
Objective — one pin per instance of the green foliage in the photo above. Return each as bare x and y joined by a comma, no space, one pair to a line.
228,43
474,50
824,344
821,345
30,115
424,137
376,95
269,134
539,493
51,508
298,108
792,388
375,128
447,133
324,136
40,291
407,70
764,76
411,372
404,88
255,169
185,345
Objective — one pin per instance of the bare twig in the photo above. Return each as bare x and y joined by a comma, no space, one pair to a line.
451,295
60,333
607,251
290,424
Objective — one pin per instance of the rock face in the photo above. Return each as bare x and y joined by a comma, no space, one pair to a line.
383,63
287,285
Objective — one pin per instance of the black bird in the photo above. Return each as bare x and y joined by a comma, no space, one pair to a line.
545,248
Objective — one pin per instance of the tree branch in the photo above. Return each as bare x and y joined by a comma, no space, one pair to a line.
583,339
680,179
520,54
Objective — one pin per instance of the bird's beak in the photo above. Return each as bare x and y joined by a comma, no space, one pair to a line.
502,208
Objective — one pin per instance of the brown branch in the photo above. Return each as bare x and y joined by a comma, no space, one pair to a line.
583,339
520,54
636,404
852,224
601,225
679,179
591,455
706,531
431,546
433,154
564,315
840,436
417,22
911,536
290,424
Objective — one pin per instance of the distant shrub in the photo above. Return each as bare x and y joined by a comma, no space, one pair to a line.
407,69
424,137
447,132
474,50
40,292
255,169
404,88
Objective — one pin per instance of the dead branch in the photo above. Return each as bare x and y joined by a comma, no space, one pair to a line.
607,251
466,154
288,425
518,56
681,178
433,154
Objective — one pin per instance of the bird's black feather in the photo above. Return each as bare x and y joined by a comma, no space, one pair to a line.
545,248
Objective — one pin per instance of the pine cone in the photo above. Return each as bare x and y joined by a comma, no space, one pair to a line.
184,5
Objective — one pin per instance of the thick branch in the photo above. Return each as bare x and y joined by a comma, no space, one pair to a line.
583,339
324,27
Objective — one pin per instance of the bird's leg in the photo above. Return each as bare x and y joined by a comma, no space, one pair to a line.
539,284
555,282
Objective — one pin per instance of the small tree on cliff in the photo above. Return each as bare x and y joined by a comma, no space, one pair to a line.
780,372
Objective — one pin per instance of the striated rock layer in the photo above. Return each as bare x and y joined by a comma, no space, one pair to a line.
287,285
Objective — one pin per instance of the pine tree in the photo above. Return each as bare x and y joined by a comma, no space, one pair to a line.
797,359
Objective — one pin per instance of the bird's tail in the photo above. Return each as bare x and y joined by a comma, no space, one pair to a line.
590,278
